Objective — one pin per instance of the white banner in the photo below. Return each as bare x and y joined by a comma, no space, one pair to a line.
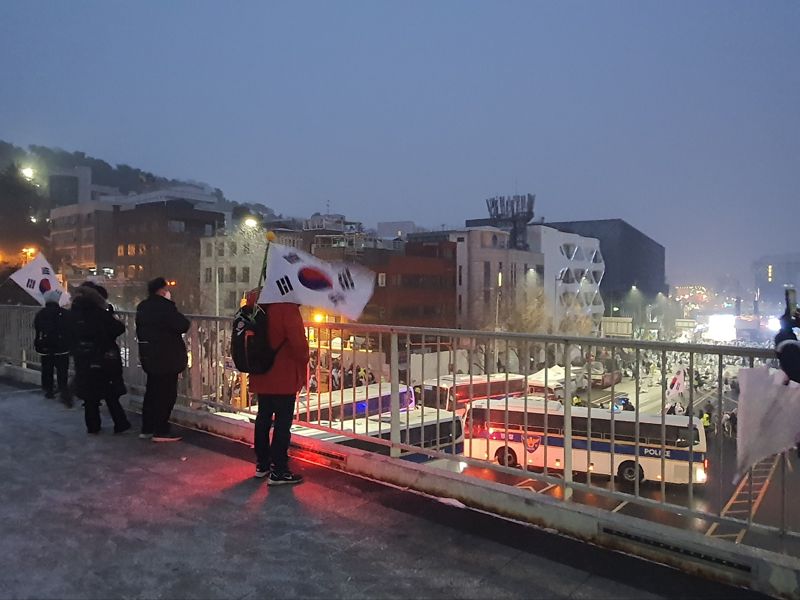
296,276
37,278
768,419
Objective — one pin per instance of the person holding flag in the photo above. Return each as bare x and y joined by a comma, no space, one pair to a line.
292,278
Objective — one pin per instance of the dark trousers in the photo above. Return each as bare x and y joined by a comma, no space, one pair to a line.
91,414
275,453
59,362
159,400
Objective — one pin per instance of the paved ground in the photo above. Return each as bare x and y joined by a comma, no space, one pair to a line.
113,516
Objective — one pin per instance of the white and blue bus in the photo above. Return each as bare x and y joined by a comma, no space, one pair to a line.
516,432
366,411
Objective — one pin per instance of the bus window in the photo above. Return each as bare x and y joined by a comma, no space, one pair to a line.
683,437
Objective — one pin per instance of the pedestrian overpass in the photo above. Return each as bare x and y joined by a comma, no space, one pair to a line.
743,534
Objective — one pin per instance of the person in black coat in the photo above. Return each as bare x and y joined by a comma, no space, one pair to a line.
98,364
53,342
162,352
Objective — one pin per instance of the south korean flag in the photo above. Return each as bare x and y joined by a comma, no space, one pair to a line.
37,278
295,276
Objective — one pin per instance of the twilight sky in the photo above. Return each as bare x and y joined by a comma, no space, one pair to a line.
681,117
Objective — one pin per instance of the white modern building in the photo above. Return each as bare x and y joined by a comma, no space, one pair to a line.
573,267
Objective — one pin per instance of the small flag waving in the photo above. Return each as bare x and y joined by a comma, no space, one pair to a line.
37,278
768,417
295,276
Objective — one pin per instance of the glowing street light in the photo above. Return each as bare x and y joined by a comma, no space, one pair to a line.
27,173
28,253
250,222
318,317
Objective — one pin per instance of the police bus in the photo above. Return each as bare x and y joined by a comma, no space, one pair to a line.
366,411
455,392
502,430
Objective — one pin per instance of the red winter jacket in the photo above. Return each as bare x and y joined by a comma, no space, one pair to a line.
288,375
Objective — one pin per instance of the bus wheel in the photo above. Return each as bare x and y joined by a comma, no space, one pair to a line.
627,472
506,457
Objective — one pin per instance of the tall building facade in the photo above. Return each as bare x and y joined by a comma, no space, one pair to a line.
634,262
231,262
488,272
573,271
162,239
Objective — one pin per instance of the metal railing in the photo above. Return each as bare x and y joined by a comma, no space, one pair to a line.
522,436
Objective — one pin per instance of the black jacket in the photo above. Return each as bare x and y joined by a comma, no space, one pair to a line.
98,366
54,330
159,326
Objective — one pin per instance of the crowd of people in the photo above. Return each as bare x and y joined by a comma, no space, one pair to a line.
88,332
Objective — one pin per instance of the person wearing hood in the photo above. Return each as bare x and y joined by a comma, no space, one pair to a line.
162,352
53,341
98,364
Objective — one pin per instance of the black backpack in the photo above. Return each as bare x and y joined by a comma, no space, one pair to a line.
250,348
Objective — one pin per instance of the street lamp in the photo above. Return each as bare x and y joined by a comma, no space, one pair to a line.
497,315
28,254
250,223
27,173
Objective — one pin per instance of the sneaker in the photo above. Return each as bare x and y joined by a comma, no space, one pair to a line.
167,438
145,436
261,472
284,478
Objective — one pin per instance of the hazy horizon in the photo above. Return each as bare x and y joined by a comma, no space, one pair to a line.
679,118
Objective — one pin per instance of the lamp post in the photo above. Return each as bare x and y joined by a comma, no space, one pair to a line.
497,315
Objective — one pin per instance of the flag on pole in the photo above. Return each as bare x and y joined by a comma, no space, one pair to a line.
292,275
677,385
37,278
768,419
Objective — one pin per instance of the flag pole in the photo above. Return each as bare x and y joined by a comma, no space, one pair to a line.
270,238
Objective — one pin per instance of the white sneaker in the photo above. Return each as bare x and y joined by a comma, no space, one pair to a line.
145,436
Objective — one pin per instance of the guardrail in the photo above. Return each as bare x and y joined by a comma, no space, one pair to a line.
626,456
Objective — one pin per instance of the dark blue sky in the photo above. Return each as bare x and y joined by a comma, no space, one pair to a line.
681,117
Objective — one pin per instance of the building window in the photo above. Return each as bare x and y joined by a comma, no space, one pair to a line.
460,270
487,274
246,248
231,303
209,274
131,271
381,279
232,249
459,304
131,249
209,250
232,274
220,274
220,249
121,250
208,229
142,249
176,226
245,274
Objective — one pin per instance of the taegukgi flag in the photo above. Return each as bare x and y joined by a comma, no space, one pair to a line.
295,276
37,278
